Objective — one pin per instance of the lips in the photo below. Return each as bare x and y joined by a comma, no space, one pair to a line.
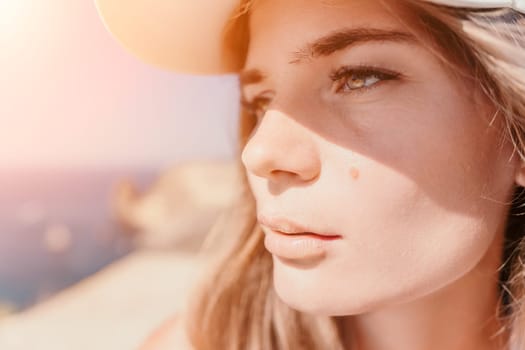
289,227
287,239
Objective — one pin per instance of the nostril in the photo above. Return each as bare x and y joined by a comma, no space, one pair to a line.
279,174
302,175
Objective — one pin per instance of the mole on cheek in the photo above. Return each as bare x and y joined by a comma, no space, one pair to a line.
354,173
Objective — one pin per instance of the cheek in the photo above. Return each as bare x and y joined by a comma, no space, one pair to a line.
443,143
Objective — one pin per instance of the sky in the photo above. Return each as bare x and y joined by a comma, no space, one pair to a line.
70,95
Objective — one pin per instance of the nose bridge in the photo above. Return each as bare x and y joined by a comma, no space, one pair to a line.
282,146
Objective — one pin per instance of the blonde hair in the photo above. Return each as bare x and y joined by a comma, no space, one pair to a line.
237,309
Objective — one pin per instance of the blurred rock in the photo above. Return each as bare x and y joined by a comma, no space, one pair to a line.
6,309
180,207
117,308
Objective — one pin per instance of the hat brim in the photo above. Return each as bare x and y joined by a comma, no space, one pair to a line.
179,35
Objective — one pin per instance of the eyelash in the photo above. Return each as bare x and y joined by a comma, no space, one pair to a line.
343,75
340,77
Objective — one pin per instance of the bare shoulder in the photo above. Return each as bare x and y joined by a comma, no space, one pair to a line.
170,335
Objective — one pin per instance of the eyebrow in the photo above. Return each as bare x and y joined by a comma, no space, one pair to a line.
250,76
342,39
331,43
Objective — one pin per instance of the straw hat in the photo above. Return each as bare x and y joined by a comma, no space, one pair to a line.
189,35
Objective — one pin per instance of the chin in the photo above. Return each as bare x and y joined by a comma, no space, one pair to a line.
315,302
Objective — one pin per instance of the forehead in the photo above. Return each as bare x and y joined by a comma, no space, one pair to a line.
307,19
283,28
335,8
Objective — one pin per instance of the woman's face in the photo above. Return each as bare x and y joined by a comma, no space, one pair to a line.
367,138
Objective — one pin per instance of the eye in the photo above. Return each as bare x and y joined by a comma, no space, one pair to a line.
257,106
359,79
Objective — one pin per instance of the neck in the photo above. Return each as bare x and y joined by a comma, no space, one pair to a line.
460,316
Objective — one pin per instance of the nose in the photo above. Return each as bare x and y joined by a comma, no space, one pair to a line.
280,148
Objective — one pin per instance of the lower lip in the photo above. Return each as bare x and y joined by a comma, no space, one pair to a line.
298,246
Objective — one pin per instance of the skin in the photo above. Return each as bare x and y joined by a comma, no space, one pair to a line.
411,173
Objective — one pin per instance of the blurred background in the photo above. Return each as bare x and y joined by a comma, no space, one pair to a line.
96,152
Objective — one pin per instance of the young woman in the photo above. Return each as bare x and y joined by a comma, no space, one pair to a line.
382,144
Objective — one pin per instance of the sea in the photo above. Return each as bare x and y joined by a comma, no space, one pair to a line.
57,227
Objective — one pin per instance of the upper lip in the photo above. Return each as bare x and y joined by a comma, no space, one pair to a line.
287,226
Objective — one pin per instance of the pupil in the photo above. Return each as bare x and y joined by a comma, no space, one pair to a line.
357,82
